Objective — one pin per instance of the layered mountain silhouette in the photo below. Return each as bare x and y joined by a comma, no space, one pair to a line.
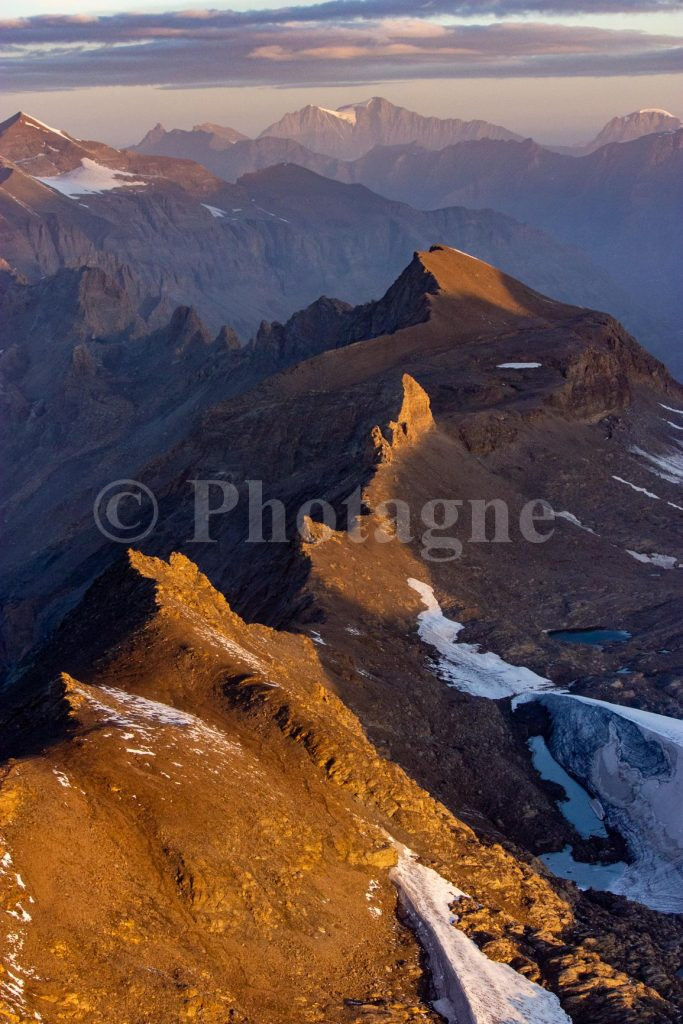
354,129
241,253
619,205
616,199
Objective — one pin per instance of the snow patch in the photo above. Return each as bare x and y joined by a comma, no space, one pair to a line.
572,519
661,561
269,213
470,987
217,639
33,122
142,719
215,211
90,178
347,114
670,408
518,366
461,252
13,973
634,487
464,666
668,466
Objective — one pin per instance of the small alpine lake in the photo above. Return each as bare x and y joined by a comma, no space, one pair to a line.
591,637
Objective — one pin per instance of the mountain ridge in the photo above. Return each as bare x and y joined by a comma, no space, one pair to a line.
354,129
254,733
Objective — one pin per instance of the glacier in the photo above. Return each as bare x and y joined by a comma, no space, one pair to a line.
633,762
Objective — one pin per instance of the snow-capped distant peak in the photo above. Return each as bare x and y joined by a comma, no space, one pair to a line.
656,110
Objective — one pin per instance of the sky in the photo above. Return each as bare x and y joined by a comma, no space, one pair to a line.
554,69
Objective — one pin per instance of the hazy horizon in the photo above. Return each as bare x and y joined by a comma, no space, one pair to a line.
575,110
550,69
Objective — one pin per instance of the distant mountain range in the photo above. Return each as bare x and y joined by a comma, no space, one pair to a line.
353,130
618,199
621,205
176,234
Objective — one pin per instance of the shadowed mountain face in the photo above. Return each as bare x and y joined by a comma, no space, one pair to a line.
255,788
185,144
242,253
620,205
314,134
345,133
617,200
124,398
232,160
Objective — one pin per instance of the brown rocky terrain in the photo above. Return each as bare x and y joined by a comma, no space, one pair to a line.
246,813
246,818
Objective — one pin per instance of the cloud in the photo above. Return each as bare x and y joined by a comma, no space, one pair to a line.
338,41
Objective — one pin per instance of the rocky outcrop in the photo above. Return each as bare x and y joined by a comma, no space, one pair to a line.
413,422
240,774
